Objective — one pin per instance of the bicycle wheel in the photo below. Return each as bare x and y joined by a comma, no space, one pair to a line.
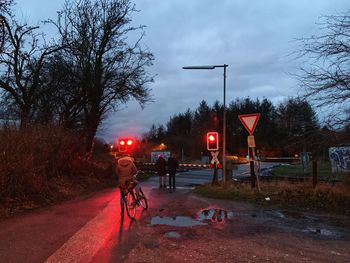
143,200
130,205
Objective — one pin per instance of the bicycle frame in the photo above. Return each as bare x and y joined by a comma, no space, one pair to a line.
133,198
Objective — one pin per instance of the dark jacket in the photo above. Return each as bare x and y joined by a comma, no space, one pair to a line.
161,166
172,165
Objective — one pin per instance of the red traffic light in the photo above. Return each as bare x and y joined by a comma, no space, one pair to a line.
212,141
211,138
121,145
125,144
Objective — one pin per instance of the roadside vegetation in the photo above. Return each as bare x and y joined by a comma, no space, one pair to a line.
325,197
283,130
55,94
48,164
324,172
89,69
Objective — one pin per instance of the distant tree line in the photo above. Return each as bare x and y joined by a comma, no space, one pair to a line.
76,79
283,130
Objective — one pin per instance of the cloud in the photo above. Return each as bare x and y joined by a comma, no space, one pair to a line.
253,37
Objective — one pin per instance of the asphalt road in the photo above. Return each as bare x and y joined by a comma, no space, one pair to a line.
178,227
202,176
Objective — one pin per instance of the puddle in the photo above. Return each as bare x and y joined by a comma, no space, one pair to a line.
293,214
215,215
321,232
288,215
172,234
280,214
205,216
183,221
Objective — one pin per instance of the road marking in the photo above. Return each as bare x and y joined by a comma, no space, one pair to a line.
84,244
185,165
177,187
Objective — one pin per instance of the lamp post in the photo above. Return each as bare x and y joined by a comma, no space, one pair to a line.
224,115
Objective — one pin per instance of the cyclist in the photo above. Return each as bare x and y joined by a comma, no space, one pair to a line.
126,170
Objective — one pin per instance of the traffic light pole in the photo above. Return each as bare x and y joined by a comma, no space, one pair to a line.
224,132
224,115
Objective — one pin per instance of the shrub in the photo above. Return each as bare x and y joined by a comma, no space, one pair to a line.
30,158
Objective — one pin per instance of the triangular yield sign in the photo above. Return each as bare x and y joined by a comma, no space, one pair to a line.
249,121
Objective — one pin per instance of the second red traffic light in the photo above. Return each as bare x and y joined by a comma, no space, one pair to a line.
124,144
212,141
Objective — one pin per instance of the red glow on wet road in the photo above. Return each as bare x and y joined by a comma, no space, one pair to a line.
120,237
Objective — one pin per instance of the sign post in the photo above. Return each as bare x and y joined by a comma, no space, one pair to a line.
250,121
215,162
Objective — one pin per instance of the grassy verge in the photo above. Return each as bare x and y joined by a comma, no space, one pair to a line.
324,171
323,198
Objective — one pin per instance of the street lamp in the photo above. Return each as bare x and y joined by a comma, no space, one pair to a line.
224,117
162,146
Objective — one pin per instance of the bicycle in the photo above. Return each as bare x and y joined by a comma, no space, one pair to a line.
132,199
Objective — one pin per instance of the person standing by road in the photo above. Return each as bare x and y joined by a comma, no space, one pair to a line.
125,170
161,170
172,166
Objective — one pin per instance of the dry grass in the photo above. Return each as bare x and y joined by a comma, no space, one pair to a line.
46,164
325,197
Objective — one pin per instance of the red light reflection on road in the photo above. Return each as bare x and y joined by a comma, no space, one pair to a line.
121,238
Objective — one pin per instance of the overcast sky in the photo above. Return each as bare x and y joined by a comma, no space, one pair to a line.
253,37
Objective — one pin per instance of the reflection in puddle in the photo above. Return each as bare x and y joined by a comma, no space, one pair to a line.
287,215
183,221
205,216
293,214
321,232
215,214
172,234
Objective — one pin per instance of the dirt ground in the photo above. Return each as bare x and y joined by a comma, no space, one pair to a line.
182,227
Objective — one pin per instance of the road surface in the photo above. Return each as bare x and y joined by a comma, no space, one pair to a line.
178,227
193,178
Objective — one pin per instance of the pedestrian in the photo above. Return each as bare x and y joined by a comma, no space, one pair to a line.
172,166
125,170
161,170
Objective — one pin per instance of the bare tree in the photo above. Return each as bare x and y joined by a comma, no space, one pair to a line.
62,100
22,60
5,6
325,75
4,13
108,70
